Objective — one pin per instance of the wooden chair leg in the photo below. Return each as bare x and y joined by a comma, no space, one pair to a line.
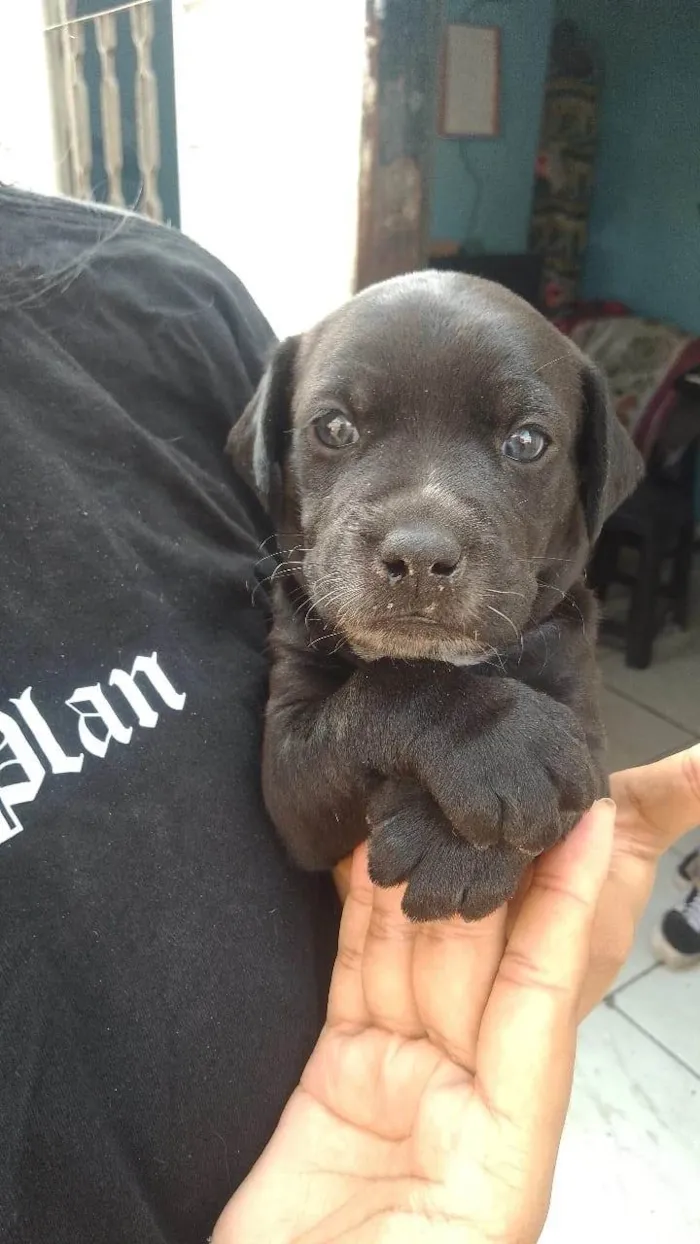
603,565
641,621
680,582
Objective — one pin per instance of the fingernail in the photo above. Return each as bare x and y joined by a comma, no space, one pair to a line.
606,803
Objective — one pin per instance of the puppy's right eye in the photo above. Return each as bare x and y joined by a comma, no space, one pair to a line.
526,444
335,430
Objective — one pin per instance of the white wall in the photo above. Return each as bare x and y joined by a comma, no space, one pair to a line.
268,111
26,133
269,97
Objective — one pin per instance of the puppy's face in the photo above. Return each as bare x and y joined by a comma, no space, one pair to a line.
432,461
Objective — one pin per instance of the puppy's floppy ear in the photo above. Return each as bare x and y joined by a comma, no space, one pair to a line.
611,466
257,442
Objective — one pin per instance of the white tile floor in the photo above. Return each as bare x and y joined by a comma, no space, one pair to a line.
629,1167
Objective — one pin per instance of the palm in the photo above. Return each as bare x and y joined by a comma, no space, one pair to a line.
383,1127
422,1113
409,1126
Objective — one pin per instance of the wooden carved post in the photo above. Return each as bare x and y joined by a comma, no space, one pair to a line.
147,120
110,106
71,37
402,39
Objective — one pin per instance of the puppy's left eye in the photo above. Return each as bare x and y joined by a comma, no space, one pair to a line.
526,444
335,430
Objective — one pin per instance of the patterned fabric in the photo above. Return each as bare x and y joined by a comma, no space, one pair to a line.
635,355
641,358
564,169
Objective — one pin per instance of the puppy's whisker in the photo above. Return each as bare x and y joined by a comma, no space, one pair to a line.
290,535
493,591
336,592
304,605
283,561
567,597
308,613
493,653
330,577
550,363
266,541
344,609
529,561
277,538
283,568
333,595
505,617
331,581
326,637
279,574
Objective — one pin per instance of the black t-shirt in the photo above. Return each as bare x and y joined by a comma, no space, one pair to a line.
163,968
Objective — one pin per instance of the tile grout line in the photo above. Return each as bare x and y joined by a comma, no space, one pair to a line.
653,712
610,997
654,1040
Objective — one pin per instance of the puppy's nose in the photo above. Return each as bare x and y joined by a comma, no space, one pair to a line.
422,550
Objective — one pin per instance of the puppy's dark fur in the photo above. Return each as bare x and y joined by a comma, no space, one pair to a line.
433,680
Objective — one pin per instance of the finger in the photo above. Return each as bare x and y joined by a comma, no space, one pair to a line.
658,803
519,897
341,877
454,967
527,1041
346,1000
387,966
620,906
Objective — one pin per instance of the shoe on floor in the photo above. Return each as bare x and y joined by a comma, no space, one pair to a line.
676,942
688,872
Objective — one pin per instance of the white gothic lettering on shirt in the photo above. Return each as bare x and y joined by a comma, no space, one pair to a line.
31,746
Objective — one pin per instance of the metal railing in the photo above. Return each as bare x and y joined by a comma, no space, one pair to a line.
66,33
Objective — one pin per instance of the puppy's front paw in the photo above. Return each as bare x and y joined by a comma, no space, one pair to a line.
411,841
524,782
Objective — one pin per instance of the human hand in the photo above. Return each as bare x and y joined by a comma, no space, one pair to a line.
432,1106
656,805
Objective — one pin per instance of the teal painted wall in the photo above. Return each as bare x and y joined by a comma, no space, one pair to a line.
644,243
482,188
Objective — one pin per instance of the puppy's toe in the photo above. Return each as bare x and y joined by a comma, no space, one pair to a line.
494,880
438,885
402,821
410,840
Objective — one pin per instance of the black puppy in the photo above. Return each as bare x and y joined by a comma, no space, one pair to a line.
437,460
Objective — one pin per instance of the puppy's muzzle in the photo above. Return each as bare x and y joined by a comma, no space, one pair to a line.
419,558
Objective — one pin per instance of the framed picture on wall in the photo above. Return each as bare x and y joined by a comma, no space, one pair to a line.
470,81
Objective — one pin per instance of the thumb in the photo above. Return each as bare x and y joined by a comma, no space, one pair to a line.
658,803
